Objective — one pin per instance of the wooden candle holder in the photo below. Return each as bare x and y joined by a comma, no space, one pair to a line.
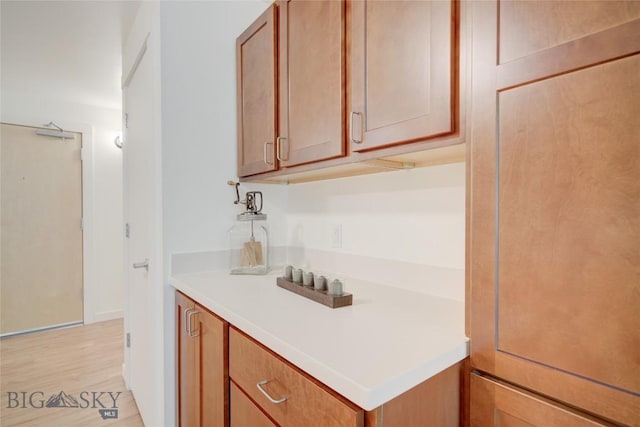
333,301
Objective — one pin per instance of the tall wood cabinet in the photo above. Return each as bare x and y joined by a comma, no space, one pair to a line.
202,365
403,75
554,212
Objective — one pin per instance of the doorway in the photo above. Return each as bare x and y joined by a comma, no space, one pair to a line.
41,264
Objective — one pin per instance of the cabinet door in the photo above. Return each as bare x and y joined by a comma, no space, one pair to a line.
403,77
257,97
244,413
555,201
500,405
212,367
312,79
187,396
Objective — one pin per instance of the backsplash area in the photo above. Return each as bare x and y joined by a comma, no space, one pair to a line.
408,225
403,228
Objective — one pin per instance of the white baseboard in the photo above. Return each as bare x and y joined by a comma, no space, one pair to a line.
108,315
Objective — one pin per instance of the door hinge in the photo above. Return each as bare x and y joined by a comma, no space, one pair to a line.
126,120
82,224
128,339
127,231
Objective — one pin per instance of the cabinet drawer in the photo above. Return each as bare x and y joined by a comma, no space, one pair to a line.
497,404
307,402
244,412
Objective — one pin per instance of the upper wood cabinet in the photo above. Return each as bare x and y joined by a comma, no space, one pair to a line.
312,80
326,84
554,258
403,71
257,95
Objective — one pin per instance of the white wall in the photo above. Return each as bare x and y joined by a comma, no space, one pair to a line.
410,215
45,79
405,228
199,123
199,137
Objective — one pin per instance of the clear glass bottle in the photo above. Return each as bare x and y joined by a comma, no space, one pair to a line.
249,241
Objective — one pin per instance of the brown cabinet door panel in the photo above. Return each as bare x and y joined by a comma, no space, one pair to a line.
213,368
202,365
500,405
521,23
403,62
555,205
257,96
187,389
569,186
312,80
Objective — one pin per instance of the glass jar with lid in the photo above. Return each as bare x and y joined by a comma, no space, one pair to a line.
249,239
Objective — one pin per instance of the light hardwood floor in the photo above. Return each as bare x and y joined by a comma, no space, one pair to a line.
82,362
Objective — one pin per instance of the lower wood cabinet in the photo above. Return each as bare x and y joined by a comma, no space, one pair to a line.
497,404
244,412
202,374
225,378
437,402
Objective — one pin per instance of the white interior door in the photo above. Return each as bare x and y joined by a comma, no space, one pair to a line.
140,219
41,232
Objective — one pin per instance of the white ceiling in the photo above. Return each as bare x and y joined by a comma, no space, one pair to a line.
66,49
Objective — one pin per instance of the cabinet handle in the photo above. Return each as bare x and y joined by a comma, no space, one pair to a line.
279,148
271,399
266,153
189,330
353,140
185,321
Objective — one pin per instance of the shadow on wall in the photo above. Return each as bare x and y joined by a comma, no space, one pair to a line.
414,216
435,188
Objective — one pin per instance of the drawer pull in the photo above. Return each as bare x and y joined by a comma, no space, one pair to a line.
263,391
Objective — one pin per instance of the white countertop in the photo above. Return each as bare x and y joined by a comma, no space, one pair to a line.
387,342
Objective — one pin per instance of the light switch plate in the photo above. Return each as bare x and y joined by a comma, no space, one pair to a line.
336,236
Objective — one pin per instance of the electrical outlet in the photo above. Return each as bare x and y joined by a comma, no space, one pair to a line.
336,236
